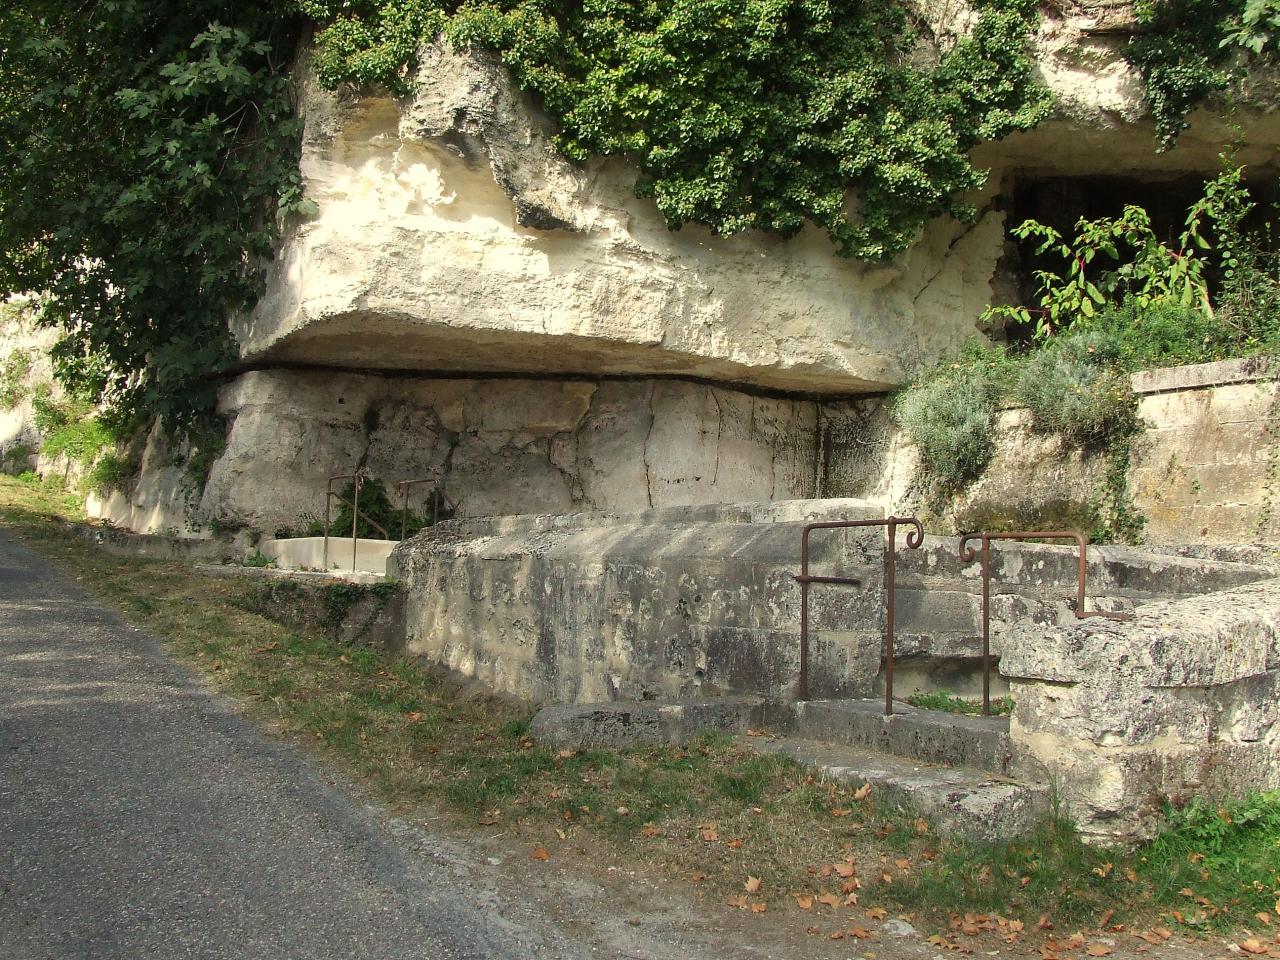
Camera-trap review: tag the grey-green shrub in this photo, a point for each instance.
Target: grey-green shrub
(951, 420)
(1073, 389)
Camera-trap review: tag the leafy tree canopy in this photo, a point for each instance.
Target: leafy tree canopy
(146, 149)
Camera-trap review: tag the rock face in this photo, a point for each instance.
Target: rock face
(1181, 701)
(450, 236)
(506, 446)
(1203, 469)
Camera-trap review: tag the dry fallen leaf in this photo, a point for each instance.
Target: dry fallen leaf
(841, 812)
(845, 869)
(830, 899)
(859, 932)
(651, 831)
(541, 853)
(735, 843)
(862, 792)
(710, 835)
(1254, 945)
(803, 901)
(1097, 950)
(877, 913)
(1264, 918)
(759, 907)
(752, 885)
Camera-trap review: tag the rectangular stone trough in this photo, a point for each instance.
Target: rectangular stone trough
(307, 553)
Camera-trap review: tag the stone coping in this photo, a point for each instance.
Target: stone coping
(1198, 375)
(236, 570)
(778, 511)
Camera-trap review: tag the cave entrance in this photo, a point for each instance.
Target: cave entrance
(1060, 202)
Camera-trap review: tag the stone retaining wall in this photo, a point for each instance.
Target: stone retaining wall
(1182, 701)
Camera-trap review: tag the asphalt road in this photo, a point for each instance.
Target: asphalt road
(140, 817)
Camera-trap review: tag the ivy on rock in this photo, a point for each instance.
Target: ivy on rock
(739, 114)
(1190, 50)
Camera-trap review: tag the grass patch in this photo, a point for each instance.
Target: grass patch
(947, 702)
(710, 813)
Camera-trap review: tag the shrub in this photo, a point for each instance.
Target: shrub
(949, 414)
(13, 379)
(1073, 391)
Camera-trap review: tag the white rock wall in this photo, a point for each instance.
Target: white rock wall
(505, 446)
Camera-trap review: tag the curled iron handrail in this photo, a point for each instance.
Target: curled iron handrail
(968, 554)
(915, 537)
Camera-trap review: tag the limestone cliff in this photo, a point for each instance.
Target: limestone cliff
(452, 241)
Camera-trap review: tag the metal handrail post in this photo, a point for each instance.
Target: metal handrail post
(915, 538)
(435, 501)
(355, 518)
(967, 555)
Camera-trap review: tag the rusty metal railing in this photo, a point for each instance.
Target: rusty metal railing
(329, 496)
(915, 538)
(968, 554)
(437, 500)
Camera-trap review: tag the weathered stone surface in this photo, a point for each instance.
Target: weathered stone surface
(1203, 468)
(941, 739)
(668, 604)
(450, 236)
(959, 800)
(497, 446)
(1206, 467)
(1180, 700)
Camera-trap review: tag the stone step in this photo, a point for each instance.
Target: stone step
(926, 736)
(962, 800)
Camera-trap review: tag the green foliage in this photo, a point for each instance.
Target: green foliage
(949, 414)
(147, 151)
(947, 702)
(1228, 852)
(13, 379)
(1074, 391)
(1257, 29)
(761, 114)
(1189, 50)
(377, 511)
(1139, 267)
(111, 472)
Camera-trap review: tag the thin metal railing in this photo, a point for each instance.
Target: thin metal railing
(968, 554)
(330, 495)
(437, 500)
(915, 538)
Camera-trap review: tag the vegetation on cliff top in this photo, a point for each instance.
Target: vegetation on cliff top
(1189, 50)
(148, 150)
(762, 114)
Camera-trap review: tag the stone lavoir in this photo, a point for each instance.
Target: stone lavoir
(632, 425)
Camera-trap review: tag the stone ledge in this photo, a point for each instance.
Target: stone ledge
(1199, 375)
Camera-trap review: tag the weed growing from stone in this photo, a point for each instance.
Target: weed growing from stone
(946, 701)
